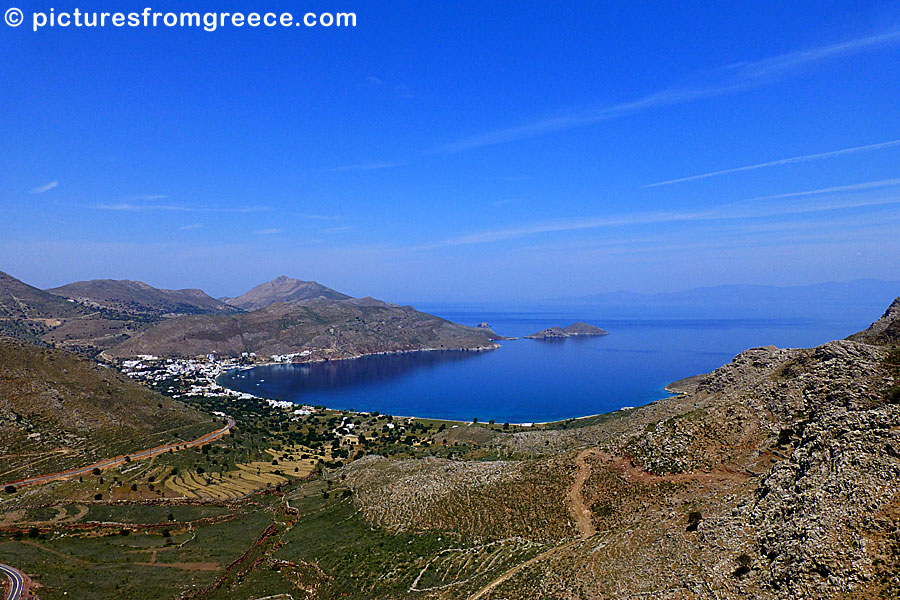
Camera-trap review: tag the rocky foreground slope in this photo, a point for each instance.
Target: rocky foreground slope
(775, 476)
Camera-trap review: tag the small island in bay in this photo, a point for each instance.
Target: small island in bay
(579, 328)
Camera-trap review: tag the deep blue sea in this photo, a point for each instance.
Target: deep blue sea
(530, 380)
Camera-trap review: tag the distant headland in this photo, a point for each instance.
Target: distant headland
(575, 329)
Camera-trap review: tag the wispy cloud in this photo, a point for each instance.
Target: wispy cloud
(400, 90)
(266, 231)
(730, 212)
(129, 207)
(44, 188)
(369, 166)
(317, 217)
(738, 77)
(146, 197)
(778, 65)
(783, 161)
(338, 229)
(855, 187)
(191, 226)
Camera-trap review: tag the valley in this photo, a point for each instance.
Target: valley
(717, 491)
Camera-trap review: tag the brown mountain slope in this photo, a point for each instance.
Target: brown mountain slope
(283, 289)
(324, 328)
(138, 299)
(58, 410)
(27, 312)
(885, 330)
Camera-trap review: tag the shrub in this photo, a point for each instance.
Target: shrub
(893, 395)
(694, 518)
(743, 565)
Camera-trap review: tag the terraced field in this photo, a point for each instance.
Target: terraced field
(245, 478)
(456, 567)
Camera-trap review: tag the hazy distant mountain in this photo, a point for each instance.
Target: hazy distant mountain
(283, 289)
(27, 312)
(322, 327)
(861, 297)
(138, 299)
(885, 330)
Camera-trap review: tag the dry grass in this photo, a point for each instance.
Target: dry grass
(245, 479)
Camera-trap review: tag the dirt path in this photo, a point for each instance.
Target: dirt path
(119, 460)
(508, 574)
(583, 517)
(584, 522)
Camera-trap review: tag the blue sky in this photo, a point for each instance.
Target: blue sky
(458, 150)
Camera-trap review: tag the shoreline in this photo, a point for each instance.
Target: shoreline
(283, 404)
(275, 403)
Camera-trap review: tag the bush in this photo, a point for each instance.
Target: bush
(10, 489)
(743, 565)
(893, 395)
(694, 518)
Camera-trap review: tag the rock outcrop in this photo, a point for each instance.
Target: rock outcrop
(574, 329)
(885, 330)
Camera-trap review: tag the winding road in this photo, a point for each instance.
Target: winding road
(113, 462)
(16, 579)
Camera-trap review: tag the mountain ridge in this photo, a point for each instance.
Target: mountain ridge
(139, 298)
(283, 289)
(320, 327)
(884, 331)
